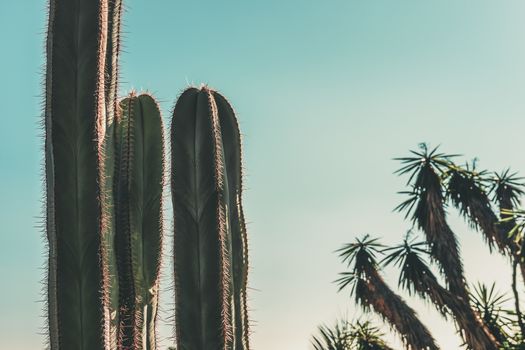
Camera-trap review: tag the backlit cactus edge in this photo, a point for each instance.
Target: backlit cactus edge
(104, 179)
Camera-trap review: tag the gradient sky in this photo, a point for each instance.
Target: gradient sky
(327, 93)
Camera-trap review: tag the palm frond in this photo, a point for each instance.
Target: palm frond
(338, 337)
(365, 336)
(421, 162)
(507, 188)
(416, 276)
(372, 293)
(346, 279)
(516, 233)
(362, 253)
(490, 306)
(345, 335)
(466, 190)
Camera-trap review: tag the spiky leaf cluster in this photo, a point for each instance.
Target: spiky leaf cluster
(345, 335)
(373, 294)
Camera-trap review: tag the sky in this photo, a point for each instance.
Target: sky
(327, 94)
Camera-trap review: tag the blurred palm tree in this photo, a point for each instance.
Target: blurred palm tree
(336, 338)
(350, 336)
(368, 337)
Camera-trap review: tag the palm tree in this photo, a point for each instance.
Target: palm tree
(426, 206)
(372, 293)
(437, 183)
(469, 194)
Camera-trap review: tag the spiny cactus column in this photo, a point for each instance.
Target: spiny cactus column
(111, 290)
(112, 58)
(231, 140)
(75, 123)
(139, 177)
(210, 244)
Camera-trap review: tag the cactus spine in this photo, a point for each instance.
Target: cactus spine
(75, 124)
(138, 192)
(210, 244)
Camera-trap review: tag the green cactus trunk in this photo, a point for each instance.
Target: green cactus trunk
(210, 245)
(138, 201)
(111, 288)
(75, 123)
(231, 139)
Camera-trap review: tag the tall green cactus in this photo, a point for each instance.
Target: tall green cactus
(111, 287)
(231, 139)
(138, 200)
(210, 243)
(75, 125)
(104, 170)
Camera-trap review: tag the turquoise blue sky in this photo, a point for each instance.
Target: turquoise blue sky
(327, 92)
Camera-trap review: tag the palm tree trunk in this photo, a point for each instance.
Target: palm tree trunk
(516, 296)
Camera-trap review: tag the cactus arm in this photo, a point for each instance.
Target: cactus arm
(231, 139)
(122, 225)
(184, 182)
(146, 181)
(111, 290)
(201, 229)
(139, 218)
(74, 119)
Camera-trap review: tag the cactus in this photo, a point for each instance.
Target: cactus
(210, 243)
(104, 169)
(138, 201)
(75, 125)
(111, 287)
(231, 139)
